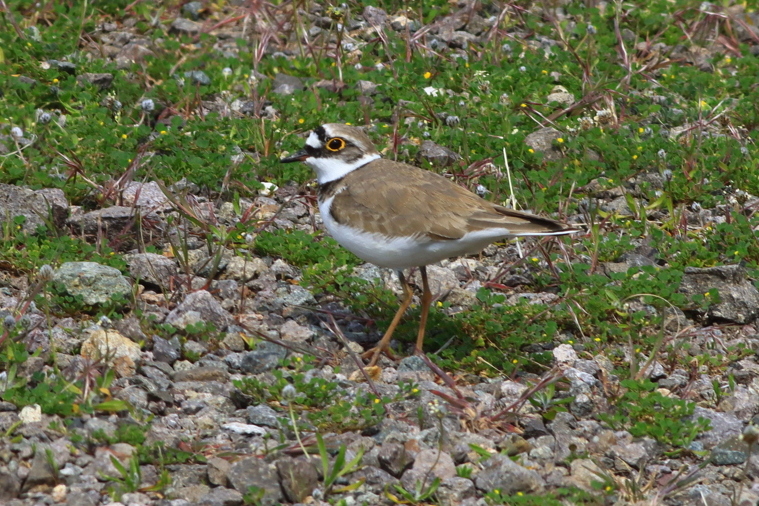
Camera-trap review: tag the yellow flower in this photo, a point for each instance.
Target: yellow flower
(635, 157)
(728, 59)
(530, 150)
(523, 105)
(560, 140)
(544, 72)
(641, 130)
(123, 136)
(427, 75)
(515, 361)
(301, 121)
(55, 81)
(376, 401)
(164, 132)
(348, 123)
(597, 339)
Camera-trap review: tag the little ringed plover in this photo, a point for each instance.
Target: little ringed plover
(399, 216)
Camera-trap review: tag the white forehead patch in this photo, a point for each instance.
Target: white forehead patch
(313, 141)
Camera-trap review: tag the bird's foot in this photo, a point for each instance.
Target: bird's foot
(374, 354)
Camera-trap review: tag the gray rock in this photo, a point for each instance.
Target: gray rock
(130, 327)
(428, 465)
(36, 206)
(98, 424)
(94, 282)
(298, 478)
(723, 426)
(457, 38)
(560, 95)
(135, 396)
(198, 77)
(116, 223)
(102, 80)
(263, 415)
(437, 155)
(367, 88)
(501, 473)
(731, 451)
(633, 454)
(374, 477)
(583, 473)
(394, 458)
(264, 358)
(113, 349)
(207, 308)
(454, 491)
(78, 498)
(254, 472)
(202, 374)
(739, 298)
(244, 269)
(192, 10)
(221, 496)
(286, 84)
(218, 469)
(191, 493)
(402, 23)
(149, 195)
(41, 475)
(167, 351)
(743, 403)
(413, 363)
(132, 53)
(374, 16)
(184, 475)
(185, 27)
(543, 141)
(292, 331)
(64, 66)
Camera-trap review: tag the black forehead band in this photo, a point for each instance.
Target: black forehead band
(321, 134)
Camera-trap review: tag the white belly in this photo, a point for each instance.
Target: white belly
(402, 252)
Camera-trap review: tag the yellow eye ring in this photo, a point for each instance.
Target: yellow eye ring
(335, 144)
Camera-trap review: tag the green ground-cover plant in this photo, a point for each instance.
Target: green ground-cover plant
(324, 403)
(645, 411)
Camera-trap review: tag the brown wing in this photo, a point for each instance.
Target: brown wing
(422, 203)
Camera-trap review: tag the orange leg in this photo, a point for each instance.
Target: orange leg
(384, 345)
(426, 300)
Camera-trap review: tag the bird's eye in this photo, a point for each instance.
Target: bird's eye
(335, 144)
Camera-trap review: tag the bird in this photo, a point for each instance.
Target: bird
(399, 216)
